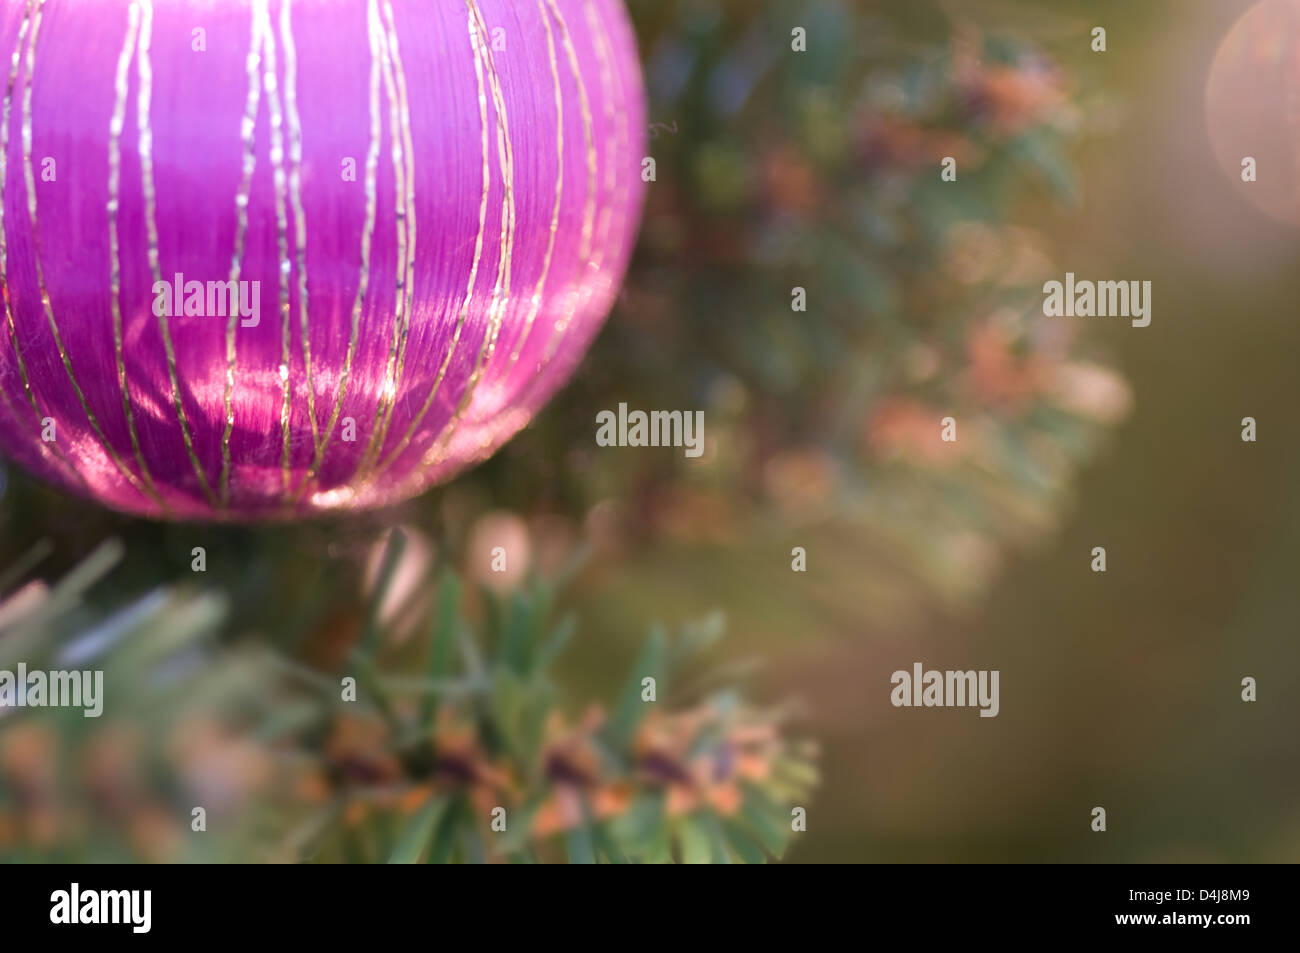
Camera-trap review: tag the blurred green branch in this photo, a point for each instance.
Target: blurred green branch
(456, 745)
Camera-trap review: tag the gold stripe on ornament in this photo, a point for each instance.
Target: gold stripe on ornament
(4, 179)
(46, 448)
(367, 237)
(536, 302)
(295, 200)
(615, 185)
(501, 291)
(624, 147)
(407, 283)
(589, 211)
(585, 249)
(584, 106)
(30, 180)
(596, 30)
(276, 114)
(248, 130)
(405, 113)
(120, 95)
(600, 40)
(478, 248)
(145, 72)
(402, 197)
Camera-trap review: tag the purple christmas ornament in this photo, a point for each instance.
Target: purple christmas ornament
(274, 257)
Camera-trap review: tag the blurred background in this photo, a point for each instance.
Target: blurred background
(779, 170)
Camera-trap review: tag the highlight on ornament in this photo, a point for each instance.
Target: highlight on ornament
(266, 258)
